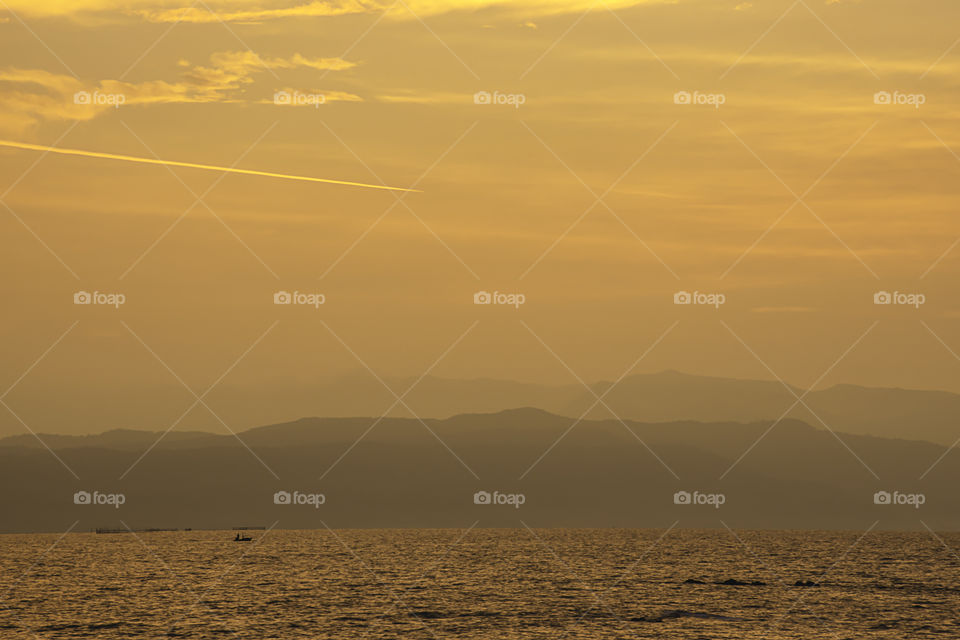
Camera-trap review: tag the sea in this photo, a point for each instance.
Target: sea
(481, 583)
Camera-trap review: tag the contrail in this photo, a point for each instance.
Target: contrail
(173, 163)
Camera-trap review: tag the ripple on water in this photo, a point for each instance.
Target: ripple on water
(490, 584)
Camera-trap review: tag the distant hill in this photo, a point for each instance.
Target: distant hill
(399, 472)
(659, 397)
(891, 413)
(119, 439)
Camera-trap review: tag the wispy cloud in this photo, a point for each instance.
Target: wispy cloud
(230, 71)
(253, 11)
(312, 97)
(202, 14)
(29, 96)
(427, 97)
(785, 309)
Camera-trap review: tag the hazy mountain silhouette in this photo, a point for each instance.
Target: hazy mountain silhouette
(404, 473)
(120, 439)
(658, 397)
(888, 412)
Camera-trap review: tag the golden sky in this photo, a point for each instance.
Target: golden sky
(789, 185)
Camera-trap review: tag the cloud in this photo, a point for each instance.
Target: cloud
(185, 11)
(30, 96)
(721, 59)
(428, 97)
(230, 71)
(525, 8)
(309, 97)
(196, 14)
(786, 309)
(254, 11)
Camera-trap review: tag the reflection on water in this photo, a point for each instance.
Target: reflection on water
(481, 584)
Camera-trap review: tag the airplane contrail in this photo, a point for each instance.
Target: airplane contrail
(191, 165)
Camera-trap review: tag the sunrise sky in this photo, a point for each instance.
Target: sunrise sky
(793, 189)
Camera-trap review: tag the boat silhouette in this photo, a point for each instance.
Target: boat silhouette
(240, 538)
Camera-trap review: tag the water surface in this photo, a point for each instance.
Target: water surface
(480, 583)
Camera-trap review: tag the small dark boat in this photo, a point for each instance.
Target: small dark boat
(240, 538)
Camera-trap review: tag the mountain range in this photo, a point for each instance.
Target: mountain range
(666, 396)
(407, 472)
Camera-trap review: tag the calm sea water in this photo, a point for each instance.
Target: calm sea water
(480, 583)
